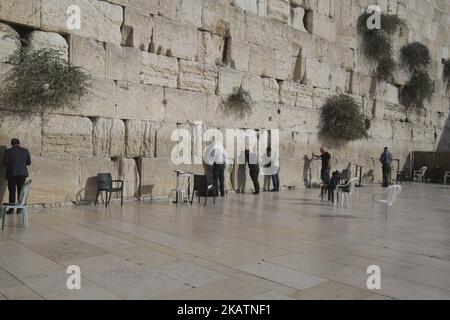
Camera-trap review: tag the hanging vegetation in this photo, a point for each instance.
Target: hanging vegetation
(418, 89)
(446, 73)
(415, 56)
(239, 103)
(41, 80)
(377, 45)
(341, 118)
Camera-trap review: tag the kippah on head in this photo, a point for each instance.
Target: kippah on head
(15, 142)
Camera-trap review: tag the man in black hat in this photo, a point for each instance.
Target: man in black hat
(16, 161)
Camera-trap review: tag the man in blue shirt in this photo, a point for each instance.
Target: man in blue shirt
(386, 163)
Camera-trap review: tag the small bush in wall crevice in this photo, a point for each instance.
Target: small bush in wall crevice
(415, 56)
(239, 104)
(341, 118)
(446, 73)
(41, 81)
(418, 89)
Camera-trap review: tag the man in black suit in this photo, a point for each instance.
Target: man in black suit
(16, 161)
(252, 160)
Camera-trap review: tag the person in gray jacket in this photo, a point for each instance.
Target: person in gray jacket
(16, 161)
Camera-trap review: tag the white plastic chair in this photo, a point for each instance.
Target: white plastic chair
(392, 193)
(419, 175)
(346, 196)
(446, 176)
(22, 205)
(182, 189)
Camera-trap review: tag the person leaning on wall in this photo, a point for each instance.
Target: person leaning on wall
(16, 161)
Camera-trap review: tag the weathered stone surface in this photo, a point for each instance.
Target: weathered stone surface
(270, 62)
(66, 136)
(297, 16)
(127, 171)
(25, 12)
(25, 127)
(250, 6)
(210, 48)
(41, 40)
(191, 12)
(158, 176)
(54, 181)
(184, 106)
(279, 10)
(9, 43)
(317, 74)
(159, 70)
(137, 101)
(140, 138)
(216, 18)
(137, 29)
(109, 137)
(229, 81)
(144, 6)
(89, 54)
(239, 55)
(100, 101)
(100, 20)
(197, 76)
(123, 63)
(174, 39)
(164, 144)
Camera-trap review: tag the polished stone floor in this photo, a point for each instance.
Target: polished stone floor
(272, 246)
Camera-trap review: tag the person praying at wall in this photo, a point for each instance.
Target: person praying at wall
(217, 157)
(252, 160)
(325, 171)
(386, 160)
(16, 161)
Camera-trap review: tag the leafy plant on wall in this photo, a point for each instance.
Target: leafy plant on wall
(446, 73)
(377, 44)
(42, 80)
(415, 58)
(239, 103)
(341, 118)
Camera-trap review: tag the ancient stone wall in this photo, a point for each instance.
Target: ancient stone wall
(162, 64)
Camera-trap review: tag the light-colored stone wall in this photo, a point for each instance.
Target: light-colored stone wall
(162, 64)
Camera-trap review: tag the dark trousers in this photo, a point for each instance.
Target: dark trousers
(15, 185)
(386, 174)
(276, 181)
(219, 178)
(254, 174)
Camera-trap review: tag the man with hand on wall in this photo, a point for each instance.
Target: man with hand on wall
(16, 161)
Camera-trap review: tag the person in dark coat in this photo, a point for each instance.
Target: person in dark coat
(325, 170)
(16, 161)
(386, 160)
(253, 165)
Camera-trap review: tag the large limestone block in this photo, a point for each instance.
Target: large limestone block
(292, 117)
(54, 181)
(158, 176)
(216, 117)
(164, 145)
(159, 70)
(271, 90)
(89, 168)
(184, 106)
(216, 17)
(264, 115)
(174, 39)
(270, 62)
(109, 137)
(250, 6)
(317, 74)
(239, 55)
(143, 6)
(198, 76)
(268, 33)
(279, 10)
(297, 19)
(99, 19)
(323, 27)
(137, 29)
(49, 40)
(291, 173)
(137, 101)
(127, 171)
(123, 63)
(229, 81)
(23, 126)
(210, 48)
(9, 44)
(26, 12)
(238, 24)
(191, 12)
(100, 101)
(66, 136)
(89, 54)
(296, 94)
(140, 138)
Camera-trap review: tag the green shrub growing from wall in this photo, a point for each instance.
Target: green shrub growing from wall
(239, 104)
(41, 80)
(341, 118)
(377, 44)
(446, 73)
(415, 56)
